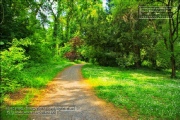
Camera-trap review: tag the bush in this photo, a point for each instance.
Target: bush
(41, 51)
(163, 56)
(125, 61)
(13, 61)
(65, 49)
(71, 55)
(71, 49)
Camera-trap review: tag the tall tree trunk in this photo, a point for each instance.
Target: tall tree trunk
(173, 61)
(56, 29)
(67, 29)
(154, 63)
(171, 41)
(68, 18)
(173, 67)
(137, 52)
(55, 36)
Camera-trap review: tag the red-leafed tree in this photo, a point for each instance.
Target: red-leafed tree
(75, 42)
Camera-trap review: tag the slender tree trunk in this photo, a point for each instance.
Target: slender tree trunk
(68, 19)
(172, 58)
(55, 36)
(67, 29)
(138, 56)
(173, 62)
(173, 67)
(55, 30)
(154, 63)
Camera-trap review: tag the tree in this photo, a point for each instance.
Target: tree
(14, 19)
(174, 27)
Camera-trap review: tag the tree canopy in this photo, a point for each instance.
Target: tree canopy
(108, 35)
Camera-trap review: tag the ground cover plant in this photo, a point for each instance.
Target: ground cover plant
(145, 93)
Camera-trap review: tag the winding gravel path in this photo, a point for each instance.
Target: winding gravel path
(69, 91)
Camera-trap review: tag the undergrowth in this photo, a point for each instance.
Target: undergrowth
(34, 76)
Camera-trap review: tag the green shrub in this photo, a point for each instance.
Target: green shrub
(125, 61)
(13, 61)
(40, 51)
(65, 49)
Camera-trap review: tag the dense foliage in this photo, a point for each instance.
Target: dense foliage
(39, 31)
(36, 36)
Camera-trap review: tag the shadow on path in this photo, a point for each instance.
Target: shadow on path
(69, 98)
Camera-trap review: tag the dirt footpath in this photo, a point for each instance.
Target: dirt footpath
(68, 97)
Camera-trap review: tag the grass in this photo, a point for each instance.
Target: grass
(145, 93)
(39, 75)
(33, 79)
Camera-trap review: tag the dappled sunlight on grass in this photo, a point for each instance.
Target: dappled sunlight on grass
(142, 77)
(39, 79)
(144, 93)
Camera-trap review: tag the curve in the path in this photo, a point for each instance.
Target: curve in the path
(67, 90)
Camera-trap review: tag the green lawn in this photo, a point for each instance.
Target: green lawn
(145, 93)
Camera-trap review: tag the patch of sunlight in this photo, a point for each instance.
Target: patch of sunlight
(59, 66)
(13, 103)
(22, 97)
(39, 78)
(149, 87)
(144, 77)
(93, 82)
(102, 81)
(128, 83)
(173, 85)
(104, 78)
(105, 73)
